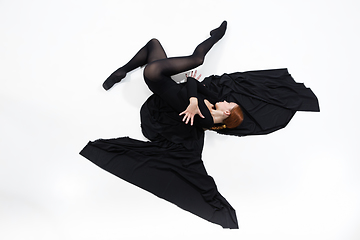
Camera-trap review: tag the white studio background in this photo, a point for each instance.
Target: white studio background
(301, 182)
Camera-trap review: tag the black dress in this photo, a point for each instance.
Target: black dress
(170, 164)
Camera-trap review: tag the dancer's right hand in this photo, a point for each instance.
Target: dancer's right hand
(193, 75)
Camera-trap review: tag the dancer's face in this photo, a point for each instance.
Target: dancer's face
(225, 106)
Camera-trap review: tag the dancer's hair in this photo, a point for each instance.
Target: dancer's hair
(235, 118)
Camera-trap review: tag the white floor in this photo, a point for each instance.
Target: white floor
(301, 182)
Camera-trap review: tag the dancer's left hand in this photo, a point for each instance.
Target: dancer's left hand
(191, 111)
(193, 75)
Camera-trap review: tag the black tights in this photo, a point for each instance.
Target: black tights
(159, 66)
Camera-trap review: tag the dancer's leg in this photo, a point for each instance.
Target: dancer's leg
(156, 71)
(150, 52)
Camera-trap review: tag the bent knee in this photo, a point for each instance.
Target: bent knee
(199, 60)
(151, 72)
(154, 40)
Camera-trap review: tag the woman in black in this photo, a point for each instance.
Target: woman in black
(170, 164)
(195, 99)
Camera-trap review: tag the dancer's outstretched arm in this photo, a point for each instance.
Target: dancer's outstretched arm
(193, 107)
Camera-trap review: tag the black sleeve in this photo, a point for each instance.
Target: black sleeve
(193, 86)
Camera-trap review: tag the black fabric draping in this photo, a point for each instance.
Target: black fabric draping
(170, 164)
(268, 98)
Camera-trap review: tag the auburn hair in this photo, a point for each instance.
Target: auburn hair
(235, 118)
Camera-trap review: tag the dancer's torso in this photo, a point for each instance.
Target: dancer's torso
(176, 96)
